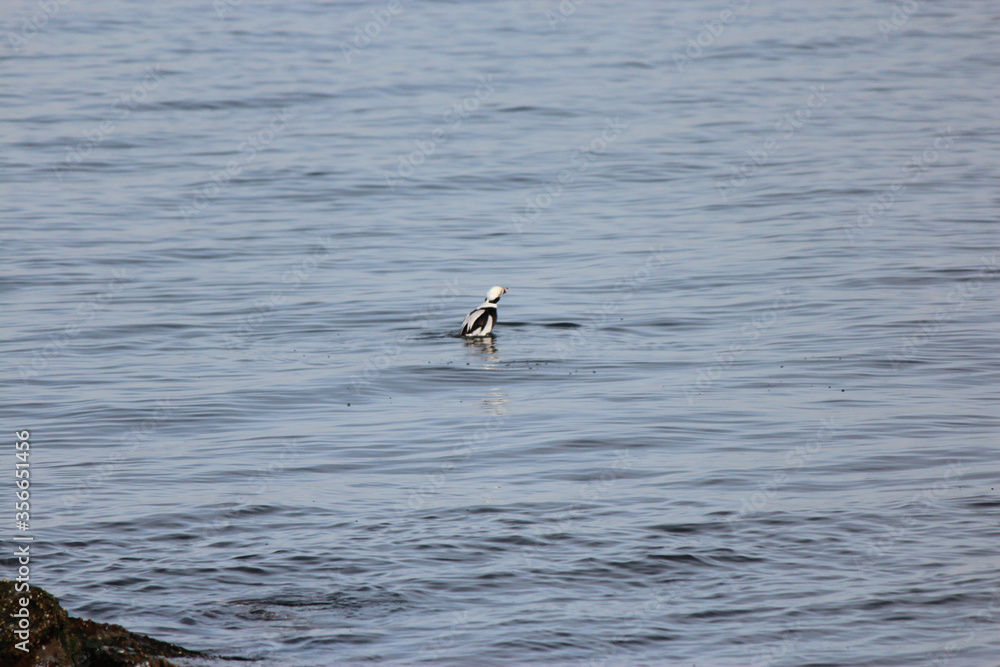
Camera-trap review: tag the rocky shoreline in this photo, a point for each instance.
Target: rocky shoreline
(55, 638)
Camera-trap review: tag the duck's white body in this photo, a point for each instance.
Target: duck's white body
(480, 321)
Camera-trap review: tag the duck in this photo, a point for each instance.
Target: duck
(481, 320)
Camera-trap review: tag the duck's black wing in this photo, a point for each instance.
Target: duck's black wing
(479, 322)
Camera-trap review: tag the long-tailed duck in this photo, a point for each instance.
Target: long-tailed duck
(480, 321)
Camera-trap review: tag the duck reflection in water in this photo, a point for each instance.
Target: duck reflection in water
(485, 346)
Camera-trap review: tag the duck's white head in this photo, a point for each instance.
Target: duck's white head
(495, 293)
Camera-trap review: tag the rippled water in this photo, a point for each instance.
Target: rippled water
(740, 407)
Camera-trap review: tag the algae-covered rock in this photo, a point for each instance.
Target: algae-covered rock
(54, 638)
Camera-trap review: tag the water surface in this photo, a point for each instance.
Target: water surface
(740, 407)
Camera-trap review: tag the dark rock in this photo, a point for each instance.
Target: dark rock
(58, 639)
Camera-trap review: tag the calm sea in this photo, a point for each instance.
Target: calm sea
(741, 404)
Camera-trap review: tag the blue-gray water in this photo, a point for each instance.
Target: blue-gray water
(741, 405)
